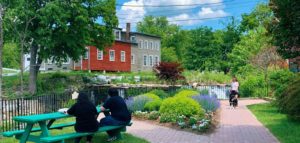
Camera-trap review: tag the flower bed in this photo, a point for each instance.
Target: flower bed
(185, 110)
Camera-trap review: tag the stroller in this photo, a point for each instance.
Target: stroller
(233, 98)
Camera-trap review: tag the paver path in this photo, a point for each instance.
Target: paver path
(236, 126)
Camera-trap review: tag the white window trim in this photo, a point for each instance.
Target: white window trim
(110, 59)
(144, 60)
(157, 60)
(101, 51)
(124, 56)
(132, 59)
(151, 45)
(150, 61)
(158, 46)
(146, 44)
(86, 54)
(141, 44)
(119, 31)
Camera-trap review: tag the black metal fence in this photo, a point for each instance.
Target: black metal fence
(53, 102)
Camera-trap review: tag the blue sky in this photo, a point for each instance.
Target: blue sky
(189, 14)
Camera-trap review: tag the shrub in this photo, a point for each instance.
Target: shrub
(152, 96)
(186, 93)
(252, 86)
(160, 93)
(153, 115)
(177, 106)
(279, 81)
(290, 101)
(167, 118)
(137, 103)
(208, 103)
(153, 105)
(168, 71)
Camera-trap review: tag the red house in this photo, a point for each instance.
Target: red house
(114, 58)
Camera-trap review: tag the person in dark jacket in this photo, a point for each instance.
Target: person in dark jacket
(119, 114)
(86, 116)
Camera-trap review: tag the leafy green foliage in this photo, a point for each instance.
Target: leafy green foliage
(186, 93)
(176, 106)
(279, 80)
(11, 56)
(249, 45)
(153, 115)
(285, 27)
(206, 77)
(200, 55)
(168, 55)
(252, 86)
(160, 93)
(154, 104)
(290, 100)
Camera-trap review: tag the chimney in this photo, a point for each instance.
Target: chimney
(127, 32)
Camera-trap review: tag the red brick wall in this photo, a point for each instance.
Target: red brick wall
(105, 64)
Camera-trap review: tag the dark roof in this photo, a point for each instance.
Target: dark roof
(123, 41)
(144, 34)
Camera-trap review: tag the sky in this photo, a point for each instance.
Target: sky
(189, 14)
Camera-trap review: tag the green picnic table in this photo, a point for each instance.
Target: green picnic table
(44, 122)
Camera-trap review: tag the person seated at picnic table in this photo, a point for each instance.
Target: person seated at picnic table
(86, 116)
(119, 114)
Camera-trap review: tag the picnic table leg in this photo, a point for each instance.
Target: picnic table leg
(26, 133)
(44, 129)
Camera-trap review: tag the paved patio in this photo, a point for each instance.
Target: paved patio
(236, 126)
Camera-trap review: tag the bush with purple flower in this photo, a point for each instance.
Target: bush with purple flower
(208, 103)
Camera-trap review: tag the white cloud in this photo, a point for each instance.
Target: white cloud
(134, 14)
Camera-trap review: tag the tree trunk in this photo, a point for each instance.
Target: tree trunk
(1, 50)
(21, 67)
(33, 69)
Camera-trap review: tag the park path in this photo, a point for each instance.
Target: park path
(236, 126)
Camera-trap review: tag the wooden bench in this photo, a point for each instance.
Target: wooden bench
(20, 132)
(63, 137)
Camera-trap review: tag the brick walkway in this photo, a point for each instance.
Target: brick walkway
(236, 126)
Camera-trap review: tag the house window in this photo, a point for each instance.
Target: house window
(156, 60)
(99, 54)
(122, 56)
(133, 39)
(151, 61)
(111, 55)
(86, 54)
(151, 44)
(117, 34)
(132, 59)
(67, 61)
(146, 45)
(28, 59)
(158, 46)
(141, 44)
(145, 60)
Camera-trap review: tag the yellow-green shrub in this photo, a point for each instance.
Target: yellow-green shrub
(176, 106)
(152, 96)
(154, 104)
(186, 93)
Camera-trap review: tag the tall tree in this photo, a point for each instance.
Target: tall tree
(231, 36)
(200, 55)
(285, 27)
(62, 29)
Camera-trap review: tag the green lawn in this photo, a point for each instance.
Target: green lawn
(285, 130)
